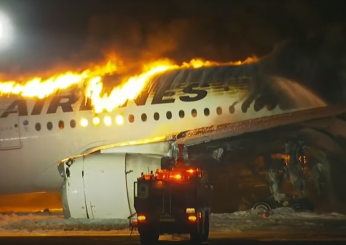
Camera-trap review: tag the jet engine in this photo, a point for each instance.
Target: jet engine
(100, 185)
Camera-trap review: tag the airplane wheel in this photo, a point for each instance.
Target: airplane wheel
(302, 205)
(262, 206)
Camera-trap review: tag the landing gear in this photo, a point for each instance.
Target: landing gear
(293, 168)
(262, 206)
(302, 205)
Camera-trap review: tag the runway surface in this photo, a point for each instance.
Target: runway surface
(282, 226)
(259, 237)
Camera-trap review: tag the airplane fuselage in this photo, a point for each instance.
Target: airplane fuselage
(36, 134)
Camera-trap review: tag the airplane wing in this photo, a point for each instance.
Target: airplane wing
(163, 144)
(203, 135)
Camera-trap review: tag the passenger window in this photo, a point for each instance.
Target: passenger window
(84, 122)
(131, 118)
(156, 116)
(144, 117)
(194, 113)
(231, 109)
(219, 110)
(181, 114)
(73, 123)
(206, 111)
(61, 124)
(38, 126)
(49, 126)
(169, 115)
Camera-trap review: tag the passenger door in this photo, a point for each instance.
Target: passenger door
(9, 131)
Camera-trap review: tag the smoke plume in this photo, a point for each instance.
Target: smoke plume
(133, 33)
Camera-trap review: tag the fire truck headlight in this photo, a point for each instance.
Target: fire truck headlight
(190, 211)
(141, 218)
(192, 218)
(177, 176)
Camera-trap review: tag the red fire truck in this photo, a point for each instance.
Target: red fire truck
(172, 201)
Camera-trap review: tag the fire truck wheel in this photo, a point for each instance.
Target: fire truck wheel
(148, 238)
(197, 237)
(205, 235)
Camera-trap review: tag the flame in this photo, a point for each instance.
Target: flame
(129, 89)
(39, 88)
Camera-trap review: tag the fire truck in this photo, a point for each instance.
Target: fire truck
(172, 201)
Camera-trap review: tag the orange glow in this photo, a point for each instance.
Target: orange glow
(177, 176)
(128, 89)
(191, 171)
(192, 218)
(40, 88)
(147, 176)
(286, 158)
(31, 202)
(141, 218)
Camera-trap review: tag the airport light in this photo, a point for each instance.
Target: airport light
(1, 30)
(6, 32)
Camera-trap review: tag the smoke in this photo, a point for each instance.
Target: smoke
(133, 33)
(317, 61)
(298, 40)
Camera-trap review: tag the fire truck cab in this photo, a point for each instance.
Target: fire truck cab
(172, 201)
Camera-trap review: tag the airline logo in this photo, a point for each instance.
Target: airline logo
(189, 93)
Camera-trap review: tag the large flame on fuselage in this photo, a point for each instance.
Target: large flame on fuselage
(128, 89)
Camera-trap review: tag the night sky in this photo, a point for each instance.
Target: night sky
(50, 34)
